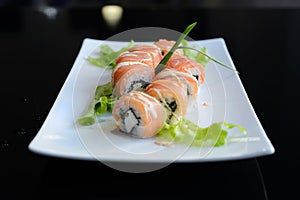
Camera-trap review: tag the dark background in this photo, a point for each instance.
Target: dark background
(37, 50)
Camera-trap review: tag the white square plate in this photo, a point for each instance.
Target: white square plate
(223, 91)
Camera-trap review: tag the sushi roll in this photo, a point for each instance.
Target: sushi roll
(139, 115)
(185, 64)
(131, 77)
(172, 94)
(135, 57)
(135, 69)
(186, 78)
(147, 54)
(152, 50)
(166, 45)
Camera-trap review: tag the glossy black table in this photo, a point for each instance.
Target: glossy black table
(37, 51)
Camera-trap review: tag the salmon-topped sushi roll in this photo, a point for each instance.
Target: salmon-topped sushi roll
(172, 94)
(135, 57)
(185, 64)
(147, 54)
(153, 50)
(166, 45)
(128, 77)
(138, 114)
(184, 77)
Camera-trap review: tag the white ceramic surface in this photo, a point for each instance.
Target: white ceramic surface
(223, 91)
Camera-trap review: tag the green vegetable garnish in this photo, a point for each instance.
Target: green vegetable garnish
(187, 132)
(101, 103)
(108, 56)
(198, 57)
(177, 43)
(103, 90)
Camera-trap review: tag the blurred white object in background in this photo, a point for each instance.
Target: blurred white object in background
(112, 14)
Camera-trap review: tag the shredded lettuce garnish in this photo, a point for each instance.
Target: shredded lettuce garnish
(108, 56)
(187, 132)
(198, 57)
(101, 103)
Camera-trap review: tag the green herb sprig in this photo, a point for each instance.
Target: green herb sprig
(209, 57)
(175, 46)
